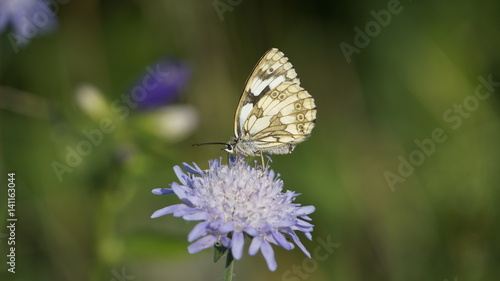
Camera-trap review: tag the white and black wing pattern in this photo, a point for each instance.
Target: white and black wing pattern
(271, 70)
(281, 119)
(274, 112)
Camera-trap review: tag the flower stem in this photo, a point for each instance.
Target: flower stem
(228, 272)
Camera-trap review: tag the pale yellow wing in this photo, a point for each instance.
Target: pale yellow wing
(285, 115)
(272, 70)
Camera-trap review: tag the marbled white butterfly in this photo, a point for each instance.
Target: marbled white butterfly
(274, 113)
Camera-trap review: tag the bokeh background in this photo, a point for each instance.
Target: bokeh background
(86, 156)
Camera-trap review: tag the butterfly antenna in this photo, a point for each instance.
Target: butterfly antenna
(208, 143)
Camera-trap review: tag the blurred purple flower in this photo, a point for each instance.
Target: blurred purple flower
(28, 18)
(161, 84)
(234, 200)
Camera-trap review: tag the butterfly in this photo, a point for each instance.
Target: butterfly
(274, 113)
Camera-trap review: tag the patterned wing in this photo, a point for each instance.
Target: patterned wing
(285, 115)
(272, 70)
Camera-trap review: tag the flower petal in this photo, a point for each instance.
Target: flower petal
(305, 210)
(162, 191)
(251, 231)
(268, 253)
(307, 218)
(308, 235)
(271, 174)
(285, 223)
(198, 231)
(181, 212)
(226, 227)
(202, 243)
(168, 210)
(298, 243)
(281, 240)
(196, 216)
(184, 193)
(193, 170)
(303, 225)
(237, 245)
(254, 246)
(225, 241)
(180, 174)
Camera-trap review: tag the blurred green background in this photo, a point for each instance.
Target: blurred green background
(399, 201)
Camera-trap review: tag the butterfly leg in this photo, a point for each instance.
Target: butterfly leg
(262, 158)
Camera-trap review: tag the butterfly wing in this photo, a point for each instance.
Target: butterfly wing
(281, 118)
(272, 70)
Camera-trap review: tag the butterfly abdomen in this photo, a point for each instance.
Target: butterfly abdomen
(251, 148)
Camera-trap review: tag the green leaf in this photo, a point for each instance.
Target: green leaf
(219, 251)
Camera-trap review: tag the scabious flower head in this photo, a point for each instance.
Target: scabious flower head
(234, 200)
(28, 18)
(162, 83)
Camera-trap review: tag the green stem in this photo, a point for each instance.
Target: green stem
(228, 272)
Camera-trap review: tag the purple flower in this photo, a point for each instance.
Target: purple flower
(234, 200)
(28, 18)
(161, 83)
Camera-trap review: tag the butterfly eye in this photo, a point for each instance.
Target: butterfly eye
(229, 148)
